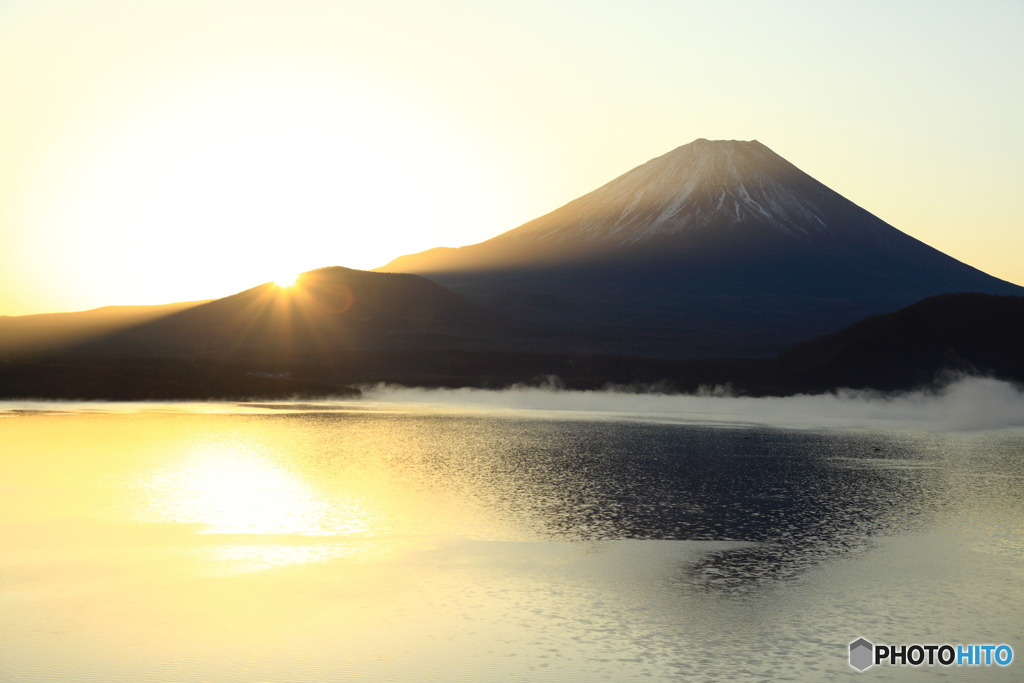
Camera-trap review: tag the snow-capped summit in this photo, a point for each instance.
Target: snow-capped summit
(704, 183)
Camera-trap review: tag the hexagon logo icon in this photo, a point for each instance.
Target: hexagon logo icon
(861, 654)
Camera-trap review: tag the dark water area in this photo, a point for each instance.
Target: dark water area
(802, 496)
(401, 543)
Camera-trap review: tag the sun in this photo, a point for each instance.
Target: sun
(286, 279)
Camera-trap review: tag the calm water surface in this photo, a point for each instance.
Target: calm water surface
(379, 542)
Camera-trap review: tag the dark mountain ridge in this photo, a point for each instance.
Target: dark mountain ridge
(918, 346)
(967, 333)
(31, 334)
(326, 310)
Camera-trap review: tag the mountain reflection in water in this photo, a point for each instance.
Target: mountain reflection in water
(288, 542)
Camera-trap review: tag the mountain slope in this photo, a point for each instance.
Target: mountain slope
(326, 310)
(29, 334)
(716, 248)
(968, 332)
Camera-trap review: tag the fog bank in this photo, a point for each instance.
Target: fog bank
(966, 403)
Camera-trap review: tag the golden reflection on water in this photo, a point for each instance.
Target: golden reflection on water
(235, 489)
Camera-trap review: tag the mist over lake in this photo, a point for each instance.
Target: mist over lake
(530, 534)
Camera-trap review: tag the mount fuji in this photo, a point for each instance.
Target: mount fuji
(717, 248)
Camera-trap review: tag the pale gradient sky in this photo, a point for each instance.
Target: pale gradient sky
(166, 151)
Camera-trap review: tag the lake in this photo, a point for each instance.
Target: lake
(509, 536)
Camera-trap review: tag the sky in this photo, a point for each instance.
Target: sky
(175, 150)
